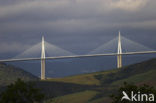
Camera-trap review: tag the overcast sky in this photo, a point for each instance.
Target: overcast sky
(78, 26)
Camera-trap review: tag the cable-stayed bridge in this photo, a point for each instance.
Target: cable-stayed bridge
(118, 44)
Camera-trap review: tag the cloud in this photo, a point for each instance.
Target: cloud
(129, 5)
(148, 24)
(76, 8)
(12, 47)
(75, 23)
(37, 5)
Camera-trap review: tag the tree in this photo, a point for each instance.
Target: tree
(128, 88)
(21, 92)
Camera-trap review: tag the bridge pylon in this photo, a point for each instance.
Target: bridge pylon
(119, 56)
(43, 60)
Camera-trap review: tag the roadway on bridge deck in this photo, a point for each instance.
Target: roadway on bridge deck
(78, 56)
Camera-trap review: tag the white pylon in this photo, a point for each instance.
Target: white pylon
(119, 56)
(43, 60)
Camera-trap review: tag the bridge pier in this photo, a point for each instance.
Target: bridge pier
(119, 61)
(42, 69)
(119, 56)
(43, 60)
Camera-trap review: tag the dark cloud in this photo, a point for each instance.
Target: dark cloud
(75, 25)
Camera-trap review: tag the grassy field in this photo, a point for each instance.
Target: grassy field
(87, 88)
(149, 76)
(106, 83)
(75, 97)
(84, 79)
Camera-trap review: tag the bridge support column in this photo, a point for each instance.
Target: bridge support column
(43, 60)
(42, 69)
(119, 56)
(119, 61)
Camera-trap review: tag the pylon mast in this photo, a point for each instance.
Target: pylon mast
(119, 56)
(43, 60)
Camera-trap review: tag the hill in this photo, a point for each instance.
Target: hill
(75, 66)
(10, 73)
(85, 88)
(96, 87)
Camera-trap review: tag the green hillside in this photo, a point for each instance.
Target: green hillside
(85, 88)
(110, 76)
(9, 74)
(99, 86)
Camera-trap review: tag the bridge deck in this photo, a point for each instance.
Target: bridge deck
(78, 56)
